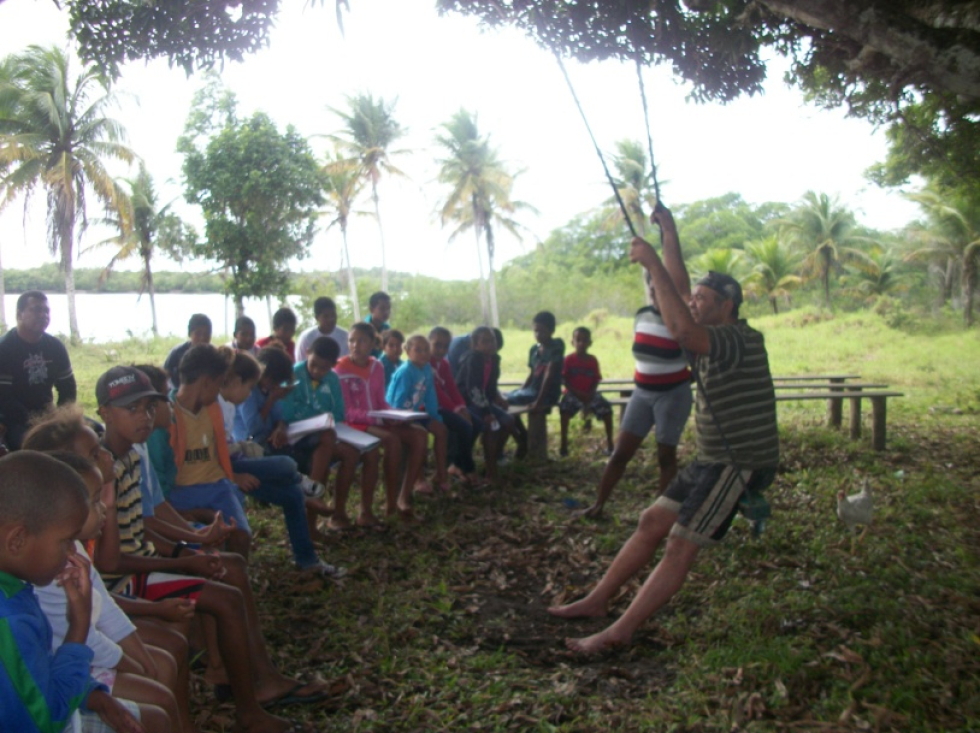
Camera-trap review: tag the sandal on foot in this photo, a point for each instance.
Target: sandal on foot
(292, 697)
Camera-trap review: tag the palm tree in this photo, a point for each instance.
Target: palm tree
(725, 260)
(144, 229)
(343, 185)
(370, 131)
(822, 228)
(479, 197)
(774, 268)
(634, 184)
(952, 234)
(54, 134)
(875, 273)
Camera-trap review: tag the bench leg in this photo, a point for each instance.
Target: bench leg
(537, 436)
(855, 418)
(835, 407)
(878, 412)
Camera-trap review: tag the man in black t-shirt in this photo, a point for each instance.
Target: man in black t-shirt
(31, 364)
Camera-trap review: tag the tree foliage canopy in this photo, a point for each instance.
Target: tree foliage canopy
(259, 190)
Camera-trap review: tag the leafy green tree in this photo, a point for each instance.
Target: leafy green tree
(259, 190)
(774, 269)
(823, 228)
(951, 234)
(876, 58)
(54, 135)
(342, 186)
(145, 228)
(726, 221)
(480, 195)
(370, 129)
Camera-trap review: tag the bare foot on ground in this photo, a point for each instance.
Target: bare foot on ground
(338, 522)
(585, 608)
(597, 643)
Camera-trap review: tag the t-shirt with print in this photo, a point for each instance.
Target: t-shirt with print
(201, 464)
(581, 373)
(539, 357)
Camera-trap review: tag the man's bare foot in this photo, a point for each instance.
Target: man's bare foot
(368, 520)
(585, 608)
(588, 513)
(597, 643)
(422, 487)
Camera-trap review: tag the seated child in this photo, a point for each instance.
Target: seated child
(204, 478)
(244, 336)
(392, 341)
(198, 332)
(317, 392)
(463, 430)
(363, 388)
(43, 506)
(412, 388)
(325, 315)
(379, 311)
(129, 669)
(283, 329)
(542, 388)
(258, 419)
(280, 482)
(218, 583)
(159, 649)
(477, 377)
(581, 376)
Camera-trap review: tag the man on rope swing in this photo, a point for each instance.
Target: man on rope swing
(737, 441)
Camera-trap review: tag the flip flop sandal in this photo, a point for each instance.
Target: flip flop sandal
(293, 698)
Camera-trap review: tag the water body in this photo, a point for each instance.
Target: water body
(117, 316)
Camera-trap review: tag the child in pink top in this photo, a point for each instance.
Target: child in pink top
(463, 430)
(362, 384)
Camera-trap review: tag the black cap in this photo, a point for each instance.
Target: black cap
(725, 285)
(123, 385)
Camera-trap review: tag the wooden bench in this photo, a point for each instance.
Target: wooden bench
(537, 431)
(834, 388)
(879, 408)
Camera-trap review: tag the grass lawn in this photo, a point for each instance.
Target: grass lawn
(443, 626)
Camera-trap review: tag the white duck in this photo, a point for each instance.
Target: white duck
(856, 510)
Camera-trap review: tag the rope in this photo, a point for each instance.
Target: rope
(646, 119)
(602, 158)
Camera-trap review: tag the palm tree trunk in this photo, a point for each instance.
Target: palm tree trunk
(148, 274)
(775, 306)
(351, 285)
(66, 265)
(381, 233)
(484, 305)
(268, 308)
(491, 282)
(239, 306)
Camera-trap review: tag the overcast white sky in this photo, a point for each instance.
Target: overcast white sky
(769, 148)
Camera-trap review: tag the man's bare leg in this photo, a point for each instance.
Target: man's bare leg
(654, 526)
(667, 460)
(660, 586)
